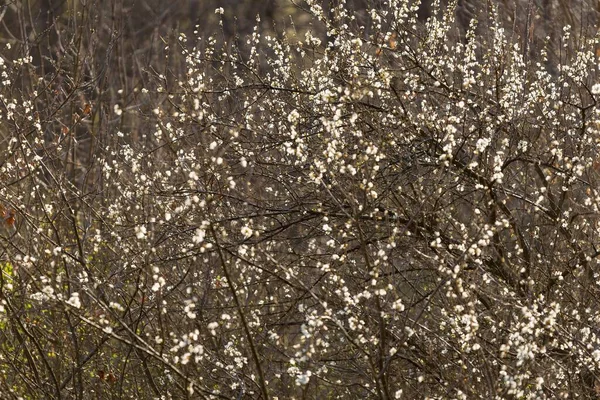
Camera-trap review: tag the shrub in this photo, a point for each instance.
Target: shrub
(370, 205)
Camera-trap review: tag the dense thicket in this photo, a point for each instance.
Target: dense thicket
(375, 199)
